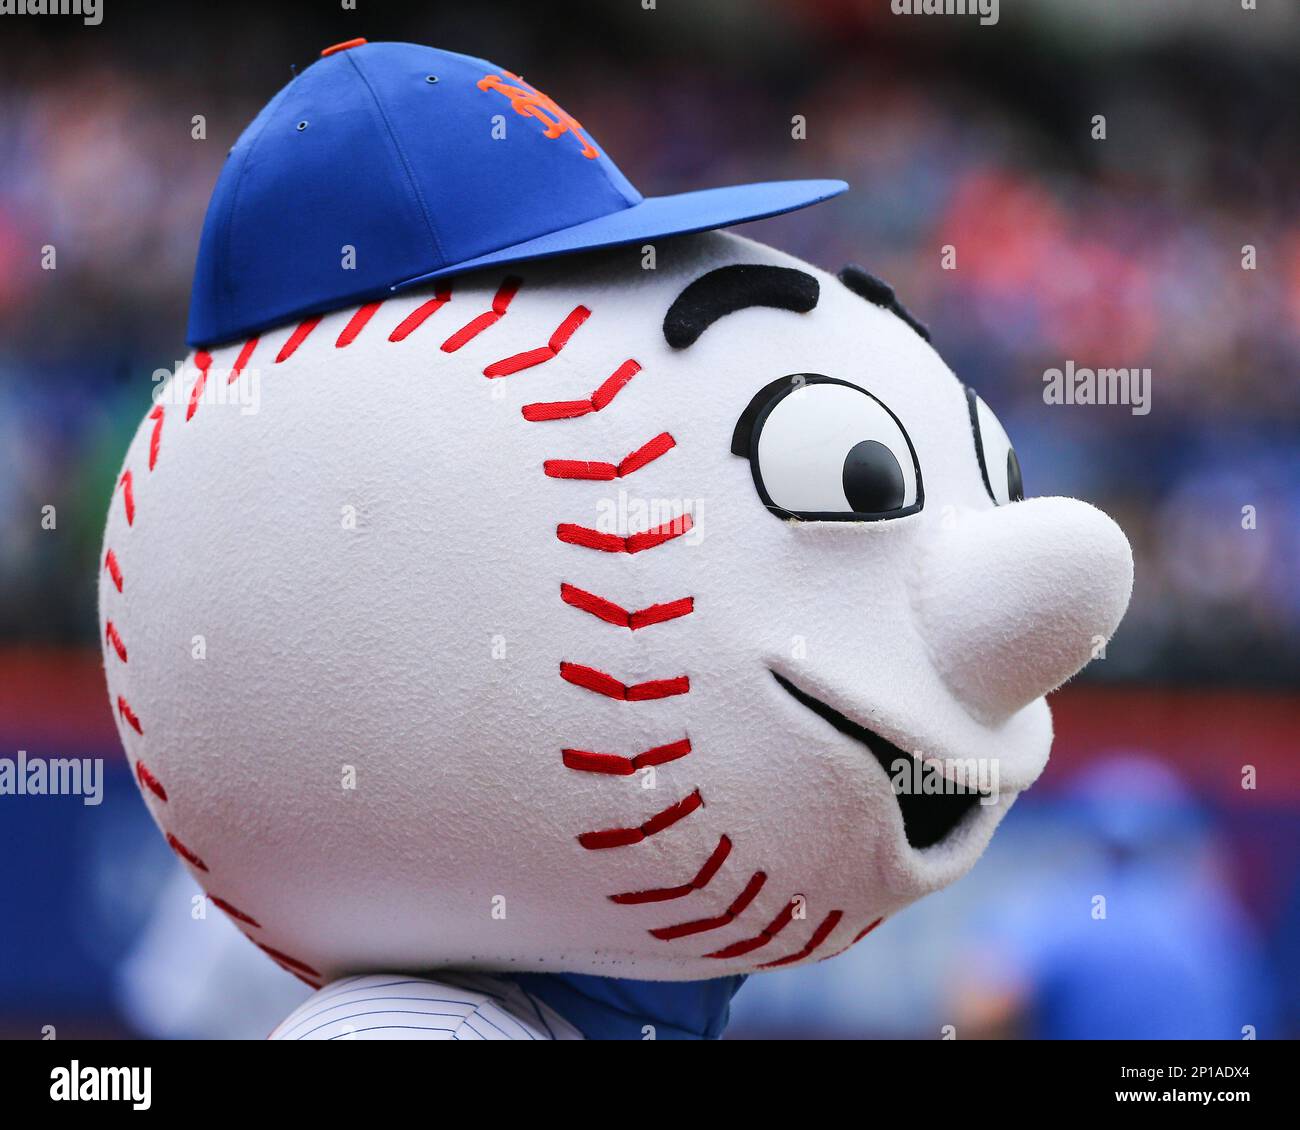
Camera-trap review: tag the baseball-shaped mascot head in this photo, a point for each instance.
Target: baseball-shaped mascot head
(656, 612)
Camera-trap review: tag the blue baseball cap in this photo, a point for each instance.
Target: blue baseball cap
(386, 165)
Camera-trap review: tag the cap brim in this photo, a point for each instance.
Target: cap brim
(654, 218)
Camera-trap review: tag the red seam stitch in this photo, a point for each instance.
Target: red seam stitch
(573, 534)
(149, 781)
(660, 613)
(658, 688)
(621, 837)
(819, 935)
(155, 438)
(296, 338)
(114, 571)
(857, 938)
(111, 634)
(663, 894)
(646, 453)
(590, 539)
(356, 324)
(615, 614)
(242, 360)
(475, 326)
(202, 359)
(567, 328)
(765, 935)
(416, 318)
(580, 469)
(128, 497)
(234, 911)
(470, 330)
(649, 539)
(530, 357)
(603, 472)
(285, 959)
(593, 680)
(185, 853)
(613, 384)
(569, 409)
(700, 925)
(128, 716)
(280, 960)
(586, 761)
(865, 931)
(595, 605)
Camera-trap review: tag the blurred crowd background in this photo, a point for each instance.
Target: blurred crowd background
(1126, 251)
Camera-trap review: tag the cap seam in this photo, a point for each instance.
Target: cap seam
(226, 231)
(401, 154)
(604, 170)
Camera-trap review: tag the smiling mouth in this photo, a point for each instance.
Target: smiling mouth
(927, 817)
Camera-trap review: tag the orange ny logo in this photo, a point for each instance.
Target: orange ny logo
(532, 103)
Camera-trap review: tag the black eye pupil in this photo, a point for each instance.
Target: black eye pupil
(873, 480)
(1015, 483)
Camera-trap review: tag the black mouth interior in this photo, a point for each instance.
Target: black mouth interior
(927, 818)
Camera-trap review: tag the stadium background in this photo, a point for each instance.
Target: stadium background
(1123, 252)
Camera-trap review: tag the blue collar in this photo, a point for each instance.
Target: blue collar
(612, 1008)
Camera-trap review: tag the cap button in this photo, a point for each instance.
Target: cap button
(341, 47)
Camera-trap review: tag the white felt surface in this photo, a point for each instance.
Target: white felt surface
(423, 646)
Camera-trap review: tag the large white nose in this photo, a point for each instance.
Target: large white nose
(1016, 599)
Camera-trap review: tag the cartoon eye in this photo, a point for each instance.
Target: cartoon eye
(824, 450)
(998, 462)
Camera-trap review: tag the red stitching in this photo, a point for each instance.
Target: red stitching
(185, 853)
(149, 781)
(612, 613)
(110, 634)
(416, 318)
(593, 680)
(663, 894)
(586, 677)
(128, 497)
(234, 911)
(475, 326)
(284, 959)
(568, 409)
(617, 765)
(356, 324)
(765, 935)
(579, 469)
(203, 360)
(857, 938)
(621, 837)
(242, 360)
(110, 563)
(296, 338)
(597, 606)
(700, 925)
(603, 472)
(155, 440)
(865, 931)
(819, 935)
(646, 453)
(128, 716)
(530, 357)
(660, 613)
(588, 538)
(312, 984)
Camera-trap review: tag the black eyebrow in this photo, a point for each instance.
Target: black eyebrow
(728, 289)
(879, 293)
